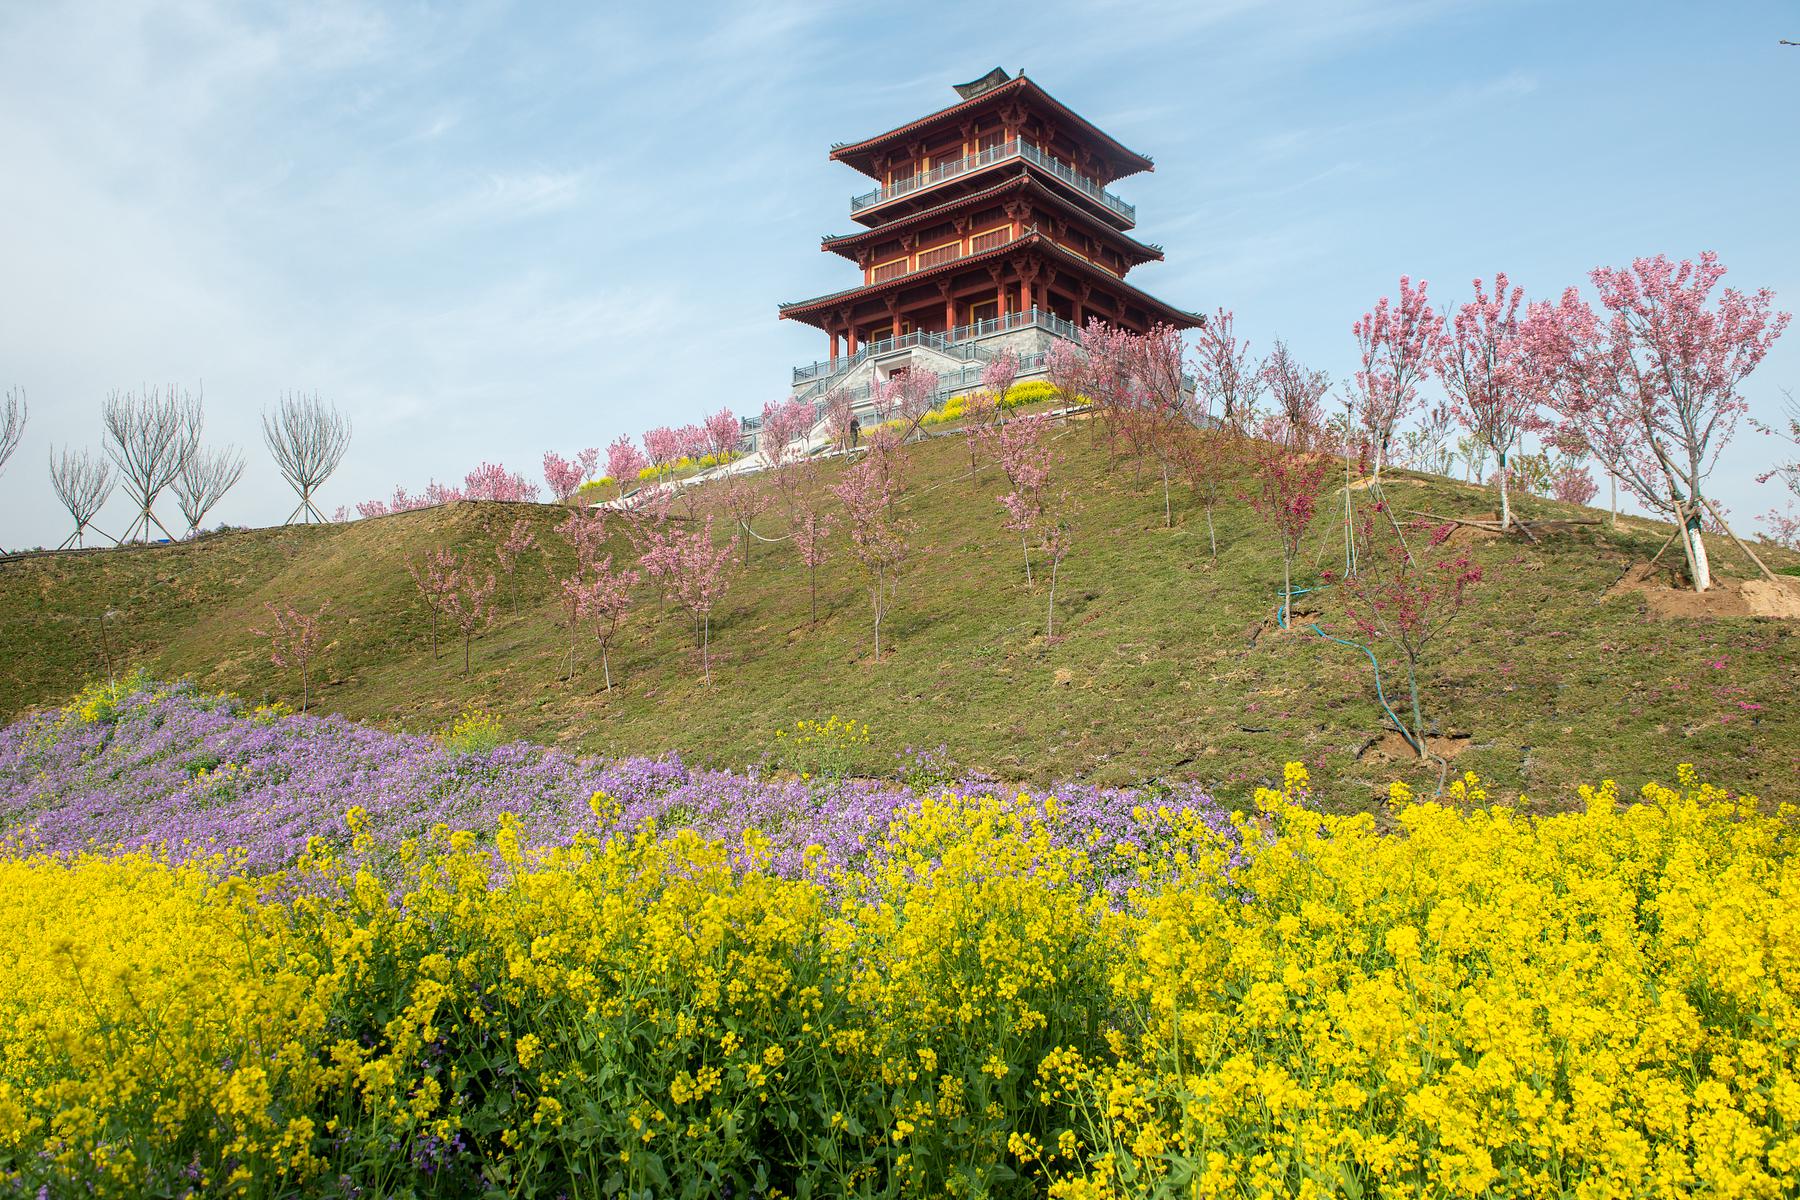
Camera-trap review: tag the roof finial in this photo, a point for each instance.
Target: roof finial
(987, 83)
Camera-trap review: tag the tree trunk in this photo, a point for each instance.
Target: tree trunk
(1027, 549)
(1612, 486)
(465, 652)
(1505, 505)
(1212, 536)
(606, 666)
(812, 583)
(1050, 611)
(706, 646)
(1412, 682)
(1287, 588)
(1168, 512)
(1702, 567)
(305, 687)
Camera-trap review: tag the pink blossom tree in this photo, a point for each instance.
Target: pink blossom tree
(1399, 346)
(1058, 540)
(469, 605)
(624, 463)
(984, 406)
(1161, 402)
(491, 481)
(295, 639)
(812, 528)
(434, 575)
(1490, 378)
(1653, 385)
(603, 600)
(782, 436)
(566, 475)
(1571, 483)
(508, 553)
(1024, 458)
(1405, 593)
(877, 539)
(723, 432)
(1285, 491)
(699, 581)
(1297, 393)
(746, 498)
(662, 446)
(1229, 383)
(905, 398)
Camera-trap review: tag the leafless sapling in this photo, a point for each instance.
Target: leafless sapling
(307, 438)
(82, 482)
(149, 436)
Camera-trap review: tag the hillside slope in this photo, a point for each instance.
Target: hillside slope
(1165, 664)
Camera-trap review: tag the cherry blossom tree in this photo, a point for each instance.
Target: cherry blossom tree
(905, 397)
(295, 640)
(1405, 593)
(603, 599)
(746, 498)
(508, 553)
(469, 605)
(13, 414)
(662, 446)
(699, 581)
(983, 406)
(1788, 472)
(491, 481)
(434, 575)
(1571, 483)
(812, 528)
(624, 463)
(1490, 377)
(1224, 377)
(1399, 346)
(840, 419)
(1285, 491)
(721, 434)
(782, 435)
(566, 475)
(435, 493)
(1652, 386)
(1160, 402)
(1298, 395)
(877, 539)
(1024, 458)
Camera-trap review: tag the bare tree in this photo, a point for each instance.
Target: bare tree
(149, 438)
(204, 478)
(307, 438)
(13, 412)
(82, 482)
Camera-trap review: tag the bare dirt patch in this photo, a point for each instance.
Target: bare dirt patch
(1391, 747)
(1666, 599)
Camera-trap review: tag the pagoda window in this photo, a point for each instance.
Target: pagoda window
(889, 270)
(990, 139)
(947, 252)
(983, 310)
(989, 238)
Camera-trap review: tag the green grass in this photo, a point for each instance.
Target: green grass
(1165, 664)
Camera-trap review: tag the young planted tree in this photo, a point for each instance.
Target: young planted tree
(1024, 457)
(662, 446)
(1227, 382)
(82, 482)
(1285, 490)
(984, 407)
(1652, 386)
(509, 552)
(149, 437)
(435, 577)
(812, 528)
(295, 640)
(781, 438)
(307, 438)
(746, 498)
(877, 538)
(1066, 368)
(699, 581)
(204, 478)
(1298, 395)
(603, 599)
(1399, 346)
(1405, 593)
(1161, 403)
(721, 434)
(566, 475)
(469, 605)
(1058, 540)
(1489, 376)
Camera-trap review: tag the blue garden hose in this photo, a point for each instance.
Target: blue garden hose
(1281, 620)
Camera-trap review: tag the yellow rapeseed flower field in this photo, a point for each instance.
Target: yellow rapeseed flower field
(1472, 1002)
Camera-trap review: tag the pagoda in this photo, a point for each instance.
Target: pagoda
(990, 227)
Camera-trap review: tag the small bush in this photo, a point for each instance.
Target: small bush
(474, 732)
(827, 750)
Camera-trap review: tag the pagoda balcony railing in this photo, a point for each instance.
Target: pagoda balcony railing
(1017, 148)
(957, 343)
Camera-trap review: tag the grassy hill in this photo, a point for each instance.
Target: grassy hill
(1165, 664)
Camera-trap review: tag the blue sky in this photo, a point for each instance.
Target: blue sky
(490, 229)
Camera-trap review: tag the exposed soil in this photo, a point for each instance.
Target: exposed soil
(1391, 747)
(1666, 599)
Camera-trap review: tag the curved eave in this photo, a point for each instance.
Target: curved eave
(799, 310)
(857, 154)
(1141, 252)
(875, 215)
